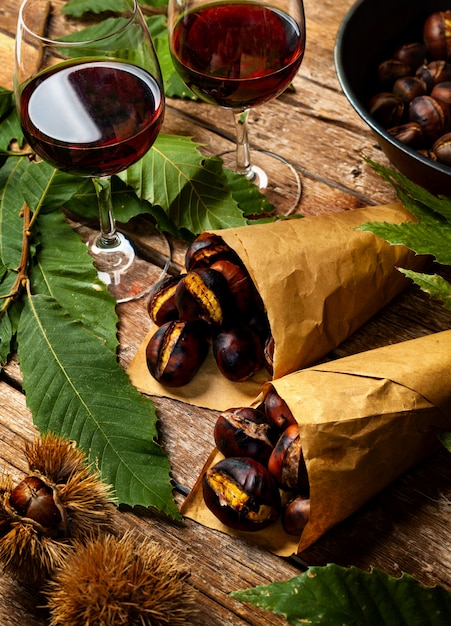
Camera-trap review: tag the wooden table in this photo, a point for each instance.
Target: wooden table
(406, 528)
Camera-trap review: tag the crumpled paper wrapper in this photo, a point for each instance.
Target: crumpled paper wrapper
(364, 421)
(320, 279)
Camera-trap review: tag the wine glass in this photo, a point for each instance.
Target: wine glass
(92, 108)
(239, 54)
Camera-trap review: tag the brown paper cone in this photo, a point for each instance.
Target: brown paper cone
(364, 421)
(319, 278)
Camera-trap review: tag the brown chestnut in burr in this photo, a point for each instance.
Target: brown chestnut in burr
(277, 410)
(295, 515)
(203, 294)
(442, 149)
(176, 351)
(244, 432)
(437, 34)
(36, 500)
(431, 115)
(161, 305)
(286, 462)
(241, 493)
(238, 352)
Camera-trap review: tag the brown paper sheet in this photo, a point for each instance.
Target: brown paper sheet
(320, 279)
(364, 421)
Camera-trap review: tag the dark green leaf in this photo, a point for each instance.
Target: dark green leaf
(10, 129)
(11, 222)
(6, 101)
(445, 438)
(75, 387)
(45, 188)
(191, 188)
(430, 234)
(65, 272)
(433, 284)
(336, 596)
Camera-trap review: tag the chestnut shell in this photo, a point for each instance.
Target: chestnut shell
(244, 432)
(176, 351)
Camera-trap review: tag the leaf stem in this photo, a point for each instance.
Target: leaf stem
(22, 274)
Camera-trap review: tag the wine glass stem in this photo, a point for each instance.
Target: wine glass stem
(243, 160)
(109, 237)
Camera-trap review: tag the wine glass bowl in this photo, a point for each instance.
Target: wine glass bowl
(91, 108)
(238, 55)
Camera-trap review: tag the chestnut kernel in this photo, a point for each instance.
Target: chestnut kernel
(238, 352)
(176, 351)
(295, 515)
(202, 294)
(161, 305)
(243, 432)
(286, 462)
(241, 493)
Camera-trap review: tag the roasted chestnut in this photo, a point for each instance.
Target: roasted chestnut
(241, 493)
(409, 87)
(431, 115)
(414, 54)
(161, 305)
(277, 410)
(203, 294)
(240, 286)
(176, 351)
(387, 108)
(286, 462)
(238, 352)
(295, 515)
(268, 352)
(392, 69)
(244, 432)
(437, 34)
(207, 248)
(442, 92)
(442, 149)
(410, 134)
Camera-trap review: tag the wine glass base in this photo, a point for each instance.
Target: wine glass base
(126, 275)
(275, 177)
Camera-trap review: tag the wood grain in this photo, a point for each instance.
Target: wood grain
(404, 529)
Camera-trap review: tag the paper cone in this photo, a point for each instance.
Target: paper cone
(320, 279)
(364, 421)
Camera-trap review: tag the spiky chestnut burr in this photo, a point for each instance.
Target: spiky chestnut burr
(61, 500)
(117, 581)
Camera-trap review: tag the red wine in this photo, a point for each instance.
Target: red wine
(94, 118)
(237, 55)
